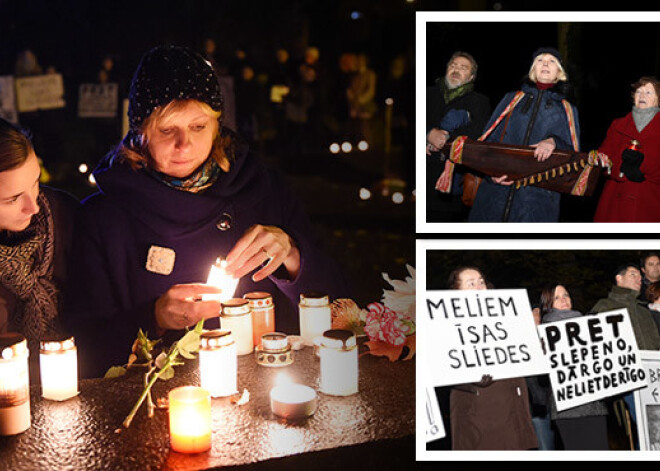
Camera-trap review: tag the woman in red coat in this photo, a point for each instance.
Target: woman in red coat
(632, 192)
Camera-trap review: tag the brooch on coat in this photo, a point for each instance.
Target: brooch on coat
(160, 260)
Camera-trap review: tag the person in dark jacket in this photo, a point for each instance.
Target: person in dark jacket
(583, 427)
(490, 414)
(625, 294)
(538, 116)
(453, 109)
(35, 239)
(179, 192)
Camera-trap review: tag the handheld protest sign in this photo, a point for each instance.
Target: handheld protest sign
(592, 357)
(435, 429)
(647, 403)
(472, 333)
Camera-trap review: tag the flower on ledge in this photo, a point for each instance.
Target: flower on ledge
(389, 324)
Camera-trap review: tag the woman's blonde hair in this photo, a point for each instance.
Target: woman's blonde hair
(561, 75)
(136, 152)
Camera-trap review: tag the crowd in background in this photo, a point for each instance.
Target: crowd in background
(294, 104)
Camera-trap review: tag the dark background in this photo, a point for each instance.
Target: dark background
(365, 237)
(602, 61)
(588, 275)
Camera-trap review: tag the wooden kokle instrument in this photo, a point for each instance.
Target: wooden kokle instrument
(564, 171)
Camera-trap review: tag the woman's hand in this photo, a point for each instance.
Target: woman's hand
(262, 244)
(181, 306)
(544, 149)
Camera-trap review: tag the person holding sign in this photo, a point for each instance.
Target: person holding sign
(35, 238)
(583, 427)
(489, 415)
(178, 192)
(625, 294)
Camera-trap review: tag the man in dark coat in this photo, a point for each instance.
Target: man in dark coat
(624, 294)
(453, 109)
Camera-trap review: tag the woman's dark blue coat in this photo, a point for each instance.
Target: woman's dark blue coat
(539, 115)
(114, 292)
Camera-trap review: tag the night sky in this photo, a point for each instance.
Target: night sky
(604, 60)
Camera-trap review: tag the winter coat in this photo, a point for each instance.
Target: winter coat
(496, 417)
(538, 116)
(623, 200)
(590, 409)
(115, 284)
(646, 332)
(478, 109)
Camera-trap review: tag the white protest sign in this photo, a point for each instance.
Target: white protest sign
(97, 100)
(41, 92)
(435, 429)
(7, 99)
(472, 333)
(592, 357)
(647, 403)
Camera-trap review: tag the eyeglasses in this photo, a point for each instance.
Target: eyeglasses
(645, 92)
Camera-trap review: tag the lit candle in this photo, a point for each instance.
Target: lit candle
(58, 364)
(236, 317)
(315, 316)
(190, 419)
(274, 350)
(14, 384)
(263, 314)
(218, 363)
(219, 278)
(339, 363)
(292, 401)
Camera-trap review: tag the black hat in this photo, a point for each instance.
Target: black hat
(547, 50)
(167, 73)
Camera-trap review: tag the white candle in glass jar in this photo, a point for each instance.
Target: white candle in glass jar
(218, 363)
(58, 365)
(236, 317)
(190, 419)
(339, 363)
(219, 278)
(14, 384)
(314, 316)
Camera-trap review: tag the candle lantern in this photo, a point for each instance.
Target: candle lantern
(315, 316)
(219, 278)
(292, 401)
(190, 419)
(58, 364)
(218, 363)
(14, 384)
(263, 314)
(237, 317)
(339, 363)
(274, 350)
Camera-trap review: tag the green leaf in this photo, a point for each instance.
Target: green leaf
(115, 372)
(188, 344)
(168, 373)
(412, 326)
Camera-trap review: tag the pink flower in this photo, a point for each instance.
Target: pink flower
(385, 325)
